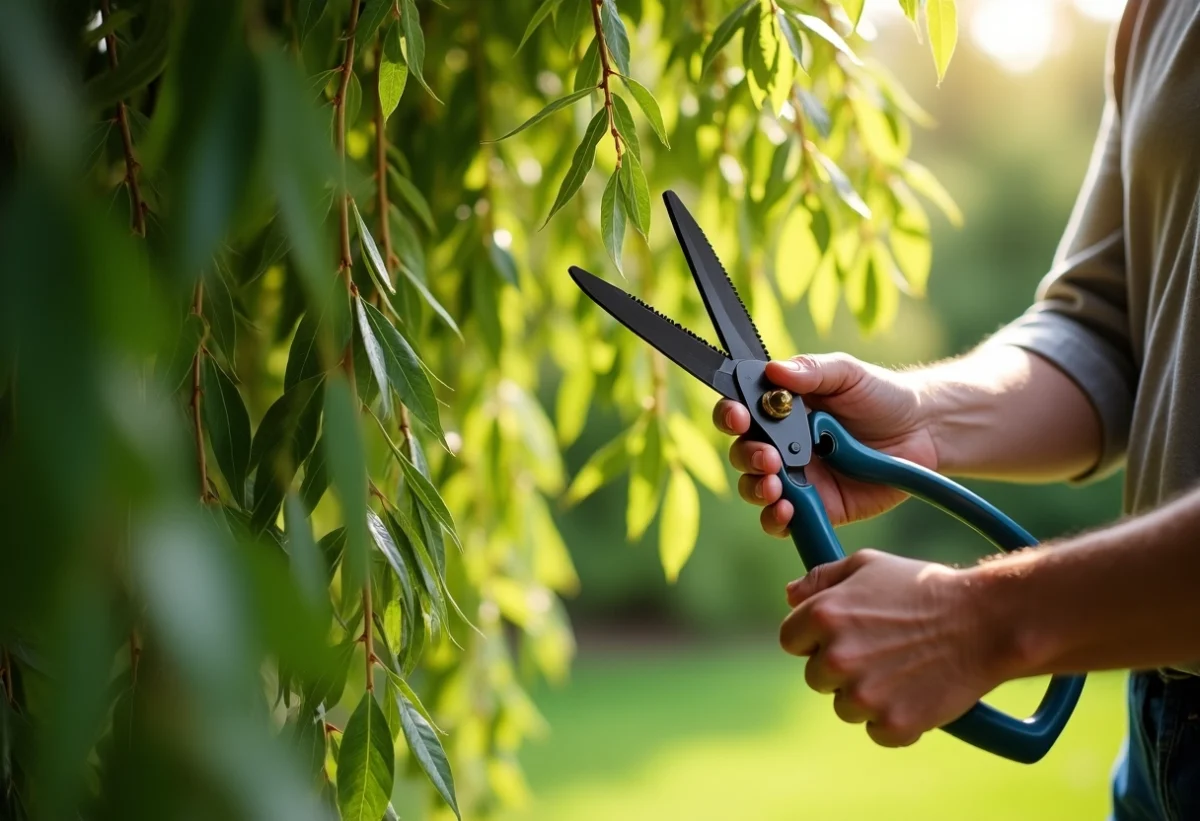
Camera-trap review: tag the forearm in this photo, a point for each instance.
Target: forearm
(1127, 596)
(1001, 412)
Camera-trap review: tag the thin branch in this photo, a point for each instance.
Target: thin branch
(606, 74)
(136, 206)
(339, 144)
(197, 391)
(368, 639)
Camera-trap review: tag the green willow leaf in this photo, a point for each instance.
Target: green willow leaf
(921, 180)
(430, 299)
(649, 107)
(228, 427)
(413, 197)
(615, 36)
(221, 313)
(348, 471)
(404, 371)
(587, 76)
(385, 543)
(427, 749)
(375, 260)
(645, 483)
(792, 36)
(365, 764)
(581, 162)
(304, 358)
(414, 39)
(285, 437)
(308, 14)
(601, 468)
(353, 99)
(625, 125)
(680, 523)
(843, 186)
(401, 687)
(697, 453)
(560, 103)
(426, 493)
(141, 61)
(316, 477)
(375, 355)
(823, 30)
(910, 8)
(371, 16)
(724, 33)
(854, 10)
(305, 560)
(176, 370)
(503, 263)
(393, 71)
(941, 19)
(539, 16)
(636, 192)
(612, 220)
(429, 526)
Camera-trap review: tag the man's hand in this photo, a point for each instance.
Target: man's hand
(902, 644)
(881, 408)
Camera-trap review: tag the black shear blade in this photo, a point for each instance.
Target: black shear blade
(677, 343)
(734, 327)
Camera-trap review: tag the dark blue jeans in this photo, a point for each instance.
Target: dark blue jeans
(1157, 777)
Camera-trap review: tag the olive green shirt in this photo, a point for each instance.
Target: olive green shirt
(1119, 311)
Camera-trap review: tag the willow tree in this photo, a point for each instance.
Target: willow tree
(288, 356)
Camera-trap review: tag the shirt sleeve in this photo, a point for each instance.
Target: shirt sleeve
(1080, 321)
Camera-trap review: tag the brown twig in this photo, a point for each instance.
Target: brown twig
(368, 639)
(197, 392)
(339, 144)
(606, 73)
(136, 206)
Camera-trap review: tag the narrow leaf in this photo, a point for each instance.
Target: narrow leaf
(615, 36)
(365, 764)
(414, 39)
(843, 186)
(823, 30)
(680, 523)
(426, 493)
(697, 453)
(645, 483)
(427, 749)
(612, 220)
(403, 689)
(636, 192)
(348, 472)
(792, 35)
(941, 18)
(854, 10)
(601, 468)
(375, 356)
(539, 16)
(724, 33)
(561, 102)
(581, 163)
(430, 299)
(404, 371)
(393, 71)
(649, 107)
(371, 17)
(307, 564)
(588, 74)
(922, 181)
(228, 427)
(413, 197)
(371, 251)
(625, 125)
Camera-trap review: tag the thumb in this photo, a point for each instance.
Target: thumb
(816, 374)
(821, 577)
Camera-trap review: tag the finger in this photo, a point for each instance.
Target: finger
(817, 374)
(760, 490)
(821, 577)
(801, 635)
(731, 417)
(849, 709)
(749, 456)
(819, 676)
(774, 518)
(887, 734)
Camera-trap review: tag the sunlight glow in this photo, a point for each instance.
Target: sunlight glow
(1017, 34)
(1107, 10)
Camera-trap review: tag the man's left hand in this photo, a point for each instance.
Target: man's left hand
(904, 645)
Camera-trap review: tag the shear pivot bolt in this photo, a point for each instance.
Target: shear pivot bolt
(777, 403)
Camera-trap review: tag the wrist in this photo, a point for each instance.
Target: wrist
(1015, 640)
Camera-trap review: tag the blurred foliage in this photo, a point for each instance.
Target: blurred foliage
(276, 323)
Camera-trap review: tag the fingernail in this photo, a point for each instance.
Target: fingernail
(790, 364)
(792, 585)
(758, 490)
(729, 420)
(759, 460)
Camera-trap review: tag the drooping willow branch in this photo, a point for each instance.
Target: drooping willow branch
(385, 232)
(197, 398)
(137, 215)
(606, 74)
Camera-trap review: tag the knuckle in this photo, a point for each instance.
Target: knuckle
(864, 699)
(825, 617)
(839, 662)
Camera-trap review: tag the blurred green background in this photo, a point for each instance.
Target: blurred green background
(680, 705)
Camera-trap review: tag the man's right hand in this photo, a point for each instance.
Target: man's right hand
(881, 408)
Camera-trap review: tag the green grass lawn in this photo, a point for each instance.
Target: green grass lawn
(732, 733)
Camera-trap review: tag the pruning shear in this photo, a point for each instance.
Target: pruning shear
(781, 419)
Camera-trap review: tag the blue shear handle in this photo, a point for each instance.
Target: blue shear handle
(982, 726)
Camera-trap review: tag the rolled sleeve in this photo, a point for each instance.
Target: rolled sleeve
(1080, 322)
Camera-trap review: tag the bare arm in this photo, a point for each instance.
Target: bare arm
(1001, 412)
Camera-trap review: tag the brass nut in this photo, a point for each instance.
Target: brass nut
(777, 403)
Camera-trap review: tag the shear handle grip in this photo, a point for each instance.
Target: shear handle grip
(1022, 740)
